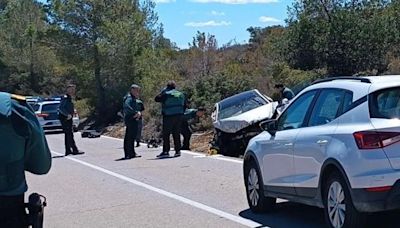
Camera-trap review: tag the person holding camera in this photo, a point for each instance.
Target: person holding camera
(23, 148)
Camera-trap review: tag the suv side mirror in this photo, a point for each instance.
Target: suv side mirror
(270, 126)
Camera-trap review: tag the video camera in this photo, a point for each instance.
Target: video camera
(35, 205)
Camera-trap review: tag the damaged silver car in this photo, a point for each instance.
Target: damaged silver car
(236, 120)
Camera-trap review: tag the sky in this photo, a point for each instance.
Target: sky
(226, 19)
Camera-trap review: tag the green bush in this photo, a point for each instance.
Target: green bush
(84, 108)
(294, 79)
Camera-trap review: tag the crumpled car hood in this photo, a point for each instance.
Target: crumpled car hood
(239, 122)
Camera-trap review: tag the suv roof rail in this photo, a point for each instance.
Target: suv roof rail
(365, 80)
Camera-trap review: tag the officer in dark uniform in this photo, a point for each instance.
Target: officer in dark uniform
(186, 132)
(23, 147)
(65, 114)
(173, 108)
(131, 118)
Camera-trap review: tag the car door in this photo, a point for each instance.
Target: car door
(312, 141)
(278, 167)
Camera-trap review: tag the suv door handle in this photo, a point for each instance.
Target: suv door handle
(288, 144)
(322, 141)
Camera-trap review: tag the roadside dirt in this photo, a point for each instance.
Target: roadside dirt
(200, 141)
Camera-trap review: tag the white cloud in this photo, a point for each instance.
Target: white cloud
(266, 19)
(236, 1)
(211, 23)
(164, 1)
(216, 13)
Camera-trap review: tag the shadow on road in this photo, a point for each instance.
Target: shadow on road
(122, 159)
(156, 159)
(53, 132)
(384, 219)
(288, 214)
(125, 159)
(58, 156)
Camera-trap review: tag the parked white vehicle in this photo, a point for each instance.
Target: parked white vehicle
(47, 114)
(336, 146)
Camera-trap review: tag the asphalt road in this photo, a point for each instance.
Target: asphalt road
(98, 190)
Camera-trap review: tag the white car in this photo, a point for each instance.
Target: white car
(47, 114)
(236, 120)
(336, 146)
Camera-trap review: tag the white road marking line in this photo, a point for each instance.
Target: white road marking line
(108, 137)
(196, 154)
(234, 218)
(199, 156)
(222, 158)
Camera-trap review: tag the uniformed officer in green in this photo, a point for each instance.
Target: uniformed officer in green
(23, 148)
(173, 108)
(188, 116)
(65, 115)
(131, 118)
(140, 122)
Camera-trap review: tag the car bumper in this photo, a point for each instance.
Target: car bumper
(75, 122)
(56, 124)
(50, 124)
(366, 201)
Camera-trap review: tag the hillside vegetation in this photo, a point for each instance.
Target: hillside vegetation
(103, 46)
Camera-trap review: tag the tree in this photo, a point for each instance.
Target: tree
(107, 36)
(345, 36)
(23, 57)
(202, 55)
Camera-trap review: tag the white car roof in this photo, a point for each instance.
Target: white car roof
(358, 87)
(383, 79)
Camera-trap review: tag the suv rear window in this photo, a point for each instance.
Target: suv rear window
(50, 107)
(385, 104)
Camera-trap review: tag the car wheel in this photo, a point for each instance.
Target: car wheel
(255, 190)
(339, 209)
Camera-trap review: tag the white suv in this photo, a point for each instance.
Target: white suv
(336, 146)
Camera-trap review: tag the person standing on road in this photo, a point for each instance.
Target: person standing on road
(23, 148)
(284, 92)
(65, 115)
(173, 108)
(140, 122)
(186, 132)
(132, 115)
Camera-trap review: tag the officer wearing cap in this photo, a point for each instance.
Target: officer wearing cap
(132, 116)
(65, 114)
(173, 107)
(23, 147)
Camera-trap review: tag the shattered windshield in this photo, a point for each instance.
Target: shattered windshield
(239, 104)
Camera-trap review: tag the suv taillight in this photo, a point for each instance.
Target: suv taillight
(374, 140)
(42, 115)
